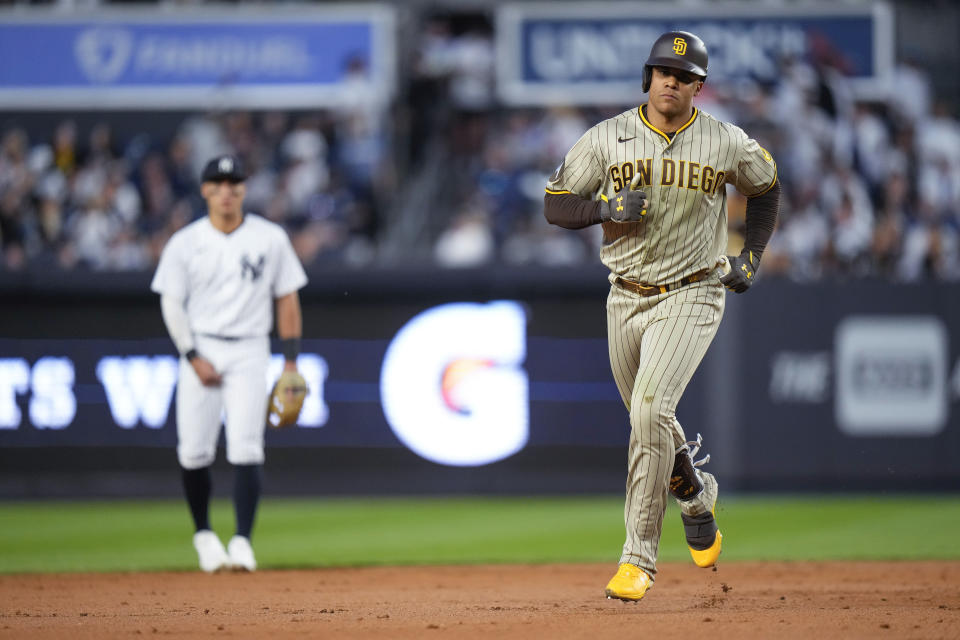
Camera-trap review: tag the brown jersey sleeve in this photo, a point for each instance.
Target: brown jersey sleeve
(761, 216)
(570, 211)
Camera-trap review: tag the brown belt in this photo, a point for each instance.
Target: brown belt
(657, 289)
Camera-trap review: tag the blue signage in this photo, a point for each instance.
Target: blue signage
(140, 59)
(567, 54)
(86, 392)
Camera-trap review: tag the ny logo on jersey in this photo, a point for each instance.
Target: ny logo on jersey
(255, 269)
(679, 46)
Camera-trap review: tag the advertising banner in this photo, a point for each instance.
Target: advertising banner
(862, 383)
(155, 59)
(449, 400)
(549, 53)
(827, 387)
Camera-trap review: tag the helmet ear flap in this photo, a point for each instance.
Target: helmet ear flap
(647, 77)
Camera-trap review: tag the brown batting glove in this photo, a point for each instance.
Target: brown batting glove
(626, 206)
(743, 270)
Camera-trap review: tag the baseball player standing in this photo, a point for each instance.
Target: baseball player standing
(217, 278)
(655, 178)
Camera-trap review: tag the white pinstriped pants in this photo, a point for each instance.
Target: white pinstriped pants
(656, 344)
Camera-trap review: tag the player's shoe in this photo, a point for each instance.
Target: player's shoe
(630, 583)
(213, 557)
(241, 554)
(703, 536)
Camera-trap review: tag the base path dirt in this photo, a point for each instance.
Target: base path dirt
(739, 600)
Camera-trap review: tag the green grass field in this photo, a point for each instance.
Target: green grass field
(155, 535)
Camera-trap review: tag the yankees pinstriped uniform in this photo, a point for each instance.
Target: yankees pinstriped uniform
(218, 279)
(657, 341)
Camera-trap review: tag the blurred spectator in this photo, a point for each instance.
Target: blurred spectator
(64, 147)
(467, 242)
(910, 92)
(871, 188)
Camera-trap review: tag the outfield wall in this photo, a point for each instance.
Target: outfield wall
(492, 382)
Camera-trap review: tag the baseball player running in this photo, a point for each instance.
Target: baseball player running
(216, 279)
(654, 177)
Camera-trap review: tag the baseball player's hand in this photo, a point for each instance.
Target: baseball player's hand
(205, 371)
(626, 206)
(743, 270)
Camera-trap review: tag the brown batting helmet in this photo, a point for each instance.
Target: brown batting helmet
(677, 50)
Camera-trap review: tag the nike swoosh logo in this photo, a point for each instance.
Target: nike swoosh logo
(625, 139)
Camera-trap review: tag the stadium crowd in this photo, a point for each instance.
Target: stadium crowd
(871, 187)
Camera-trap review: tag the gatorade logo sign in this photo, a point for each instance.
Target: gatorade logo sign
(453, 386)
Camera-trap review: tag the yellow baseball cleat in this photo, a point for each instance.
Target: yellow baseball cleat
(706, 558)
(630, 583)
(703, 539)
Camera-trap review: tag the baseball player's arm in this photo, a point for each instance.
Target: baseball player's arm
(754, 174)
(570, 211)
(178, 326)
(761, 217)
(573, 212)
(289, 328)
(569, 199)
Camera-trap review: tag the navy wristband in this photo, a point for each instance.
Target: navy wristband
(290, 348)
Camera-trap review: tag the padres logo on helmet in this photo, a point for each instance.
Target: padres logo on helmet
(678, 50)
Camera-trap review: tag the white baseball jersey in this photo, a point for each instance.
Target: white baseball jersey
(685, 228)
(228, 281)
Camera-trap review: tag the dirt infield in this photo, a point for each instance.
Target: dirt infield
(738, 600)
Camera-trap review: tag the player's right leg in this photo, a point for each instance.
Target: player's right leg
(627, 315)
(198, 428)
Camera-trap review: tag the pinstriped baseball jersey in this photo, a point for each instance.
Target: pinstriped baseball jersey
(657, 342)
(685, 227)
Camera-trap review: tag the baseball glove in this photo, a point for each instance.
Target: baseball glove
(286, 400)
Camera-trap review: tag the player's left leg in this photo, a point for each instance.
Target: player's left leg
(245, 401)
(671, 349)
(696, 494)
(696, 490)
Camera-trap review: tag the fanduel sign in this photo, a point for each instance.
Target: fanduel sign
(242, 58)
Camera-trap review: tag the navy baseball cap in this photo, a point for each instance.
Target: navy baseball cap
(223, 168)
